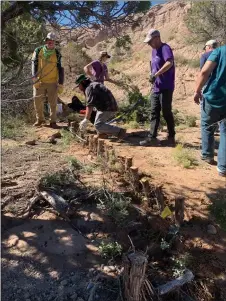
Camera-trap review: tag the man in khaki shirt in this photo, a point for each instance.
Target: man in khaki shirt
(48, 78)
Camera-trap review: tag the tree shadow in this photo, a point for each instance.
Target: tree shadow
(47, 259)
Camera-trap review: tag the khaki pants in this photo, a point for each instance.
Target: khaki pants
(49, 90)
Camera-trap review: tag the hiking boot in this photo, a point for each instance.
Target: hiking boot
(170, 141)
(39, 123)
(149, 141)
(53, 125)
(208, 160)
(121, 134)
(222, 174)
(102, 136)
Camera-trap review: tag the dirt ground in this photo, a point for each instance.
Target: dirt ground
(43, 258)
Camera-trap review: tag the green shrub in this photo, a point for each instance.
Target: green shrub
(12, 127)
(67, 137)
(195, 63)
(133, 125)
(110, 250)
(123, 42)
(180, 60)
(115, 204)
(74, 163)
(57, 179)
(184, 156)
(218, 210)
(141, 113)
(190, 121)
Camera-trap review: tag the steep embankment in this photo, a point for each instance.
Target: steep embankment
(169, 19)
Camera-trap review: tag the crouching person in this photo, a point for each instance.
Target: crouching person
(100, 97)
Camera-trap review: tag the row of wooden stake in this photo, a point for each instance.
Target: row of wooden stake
(102, 148)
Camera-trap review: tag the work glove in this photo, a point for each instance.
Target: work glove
(83, 125)
(60, 89)
(152, 78)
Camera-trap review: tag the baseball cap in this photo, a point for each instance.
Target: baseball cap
(151, 34)
(104, 53)
(211, 43)
(51, 36)
(80, 78)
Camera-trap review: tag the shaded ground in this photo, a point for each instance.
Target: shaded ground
(43, 258)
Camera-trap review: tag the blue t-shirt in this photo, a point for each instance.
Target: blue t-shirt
(204, 58)
(166, 80)
(215, 90)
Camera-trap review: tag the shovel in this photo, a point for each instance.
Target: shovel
(132, 108)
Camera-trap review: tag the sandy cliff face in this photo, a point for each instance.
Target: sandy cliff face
(169, 19)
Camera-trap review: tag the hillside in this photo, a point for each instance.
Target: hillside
(169, 19)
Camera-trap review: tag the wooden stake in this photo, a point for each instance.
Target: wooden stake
(91, 142)
(72, 126)
(179, 210)
(128, 163)
(95, 141)
(100, 147)
(135, 265)
(146, 188)
(135, 176)
(107, 148)
(160, 197)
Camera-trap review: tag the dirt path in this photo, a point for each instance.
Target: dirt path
(196, 184)
(44, 259)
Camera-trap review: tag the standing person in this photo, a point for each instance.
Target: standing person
(208, 48)
(48, 79)
(213, 106)
(163, 80)
(100, 97)
(98, 70)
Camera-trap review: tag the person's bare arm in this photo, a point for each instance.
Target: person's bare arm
(89, 111)
(88, 69)
(165, 67)
(202, 78)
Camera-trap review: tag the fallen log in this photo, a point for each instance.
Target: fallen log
(56, 201)
(60, 205)
(174, 284)
(31, 203)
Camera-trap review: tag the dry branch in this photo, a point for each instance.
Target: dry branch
(31, 203)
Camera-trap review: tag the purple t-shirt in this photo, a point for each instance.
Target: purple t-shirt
(99, 71)
(165, 81)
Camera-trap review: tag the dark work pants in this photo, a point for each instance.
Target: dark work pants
(161, 101)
